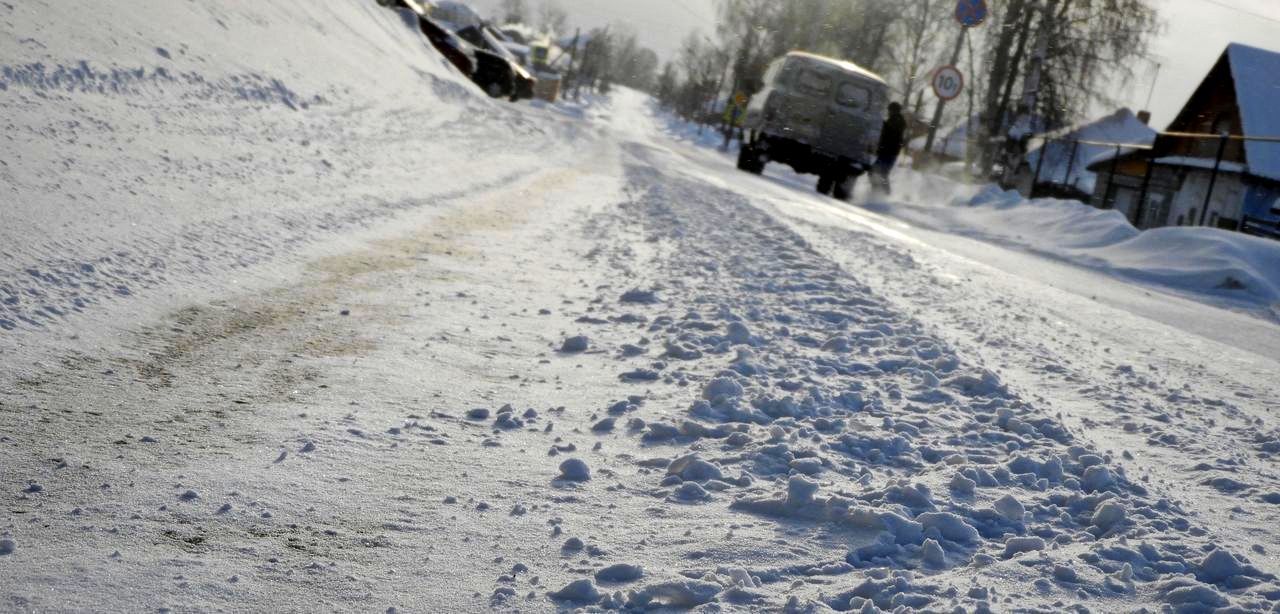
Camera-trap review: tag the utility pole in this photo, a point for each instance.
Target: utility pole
(570, 74)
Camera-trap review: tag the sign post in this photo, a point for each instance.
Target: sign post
(969, 14)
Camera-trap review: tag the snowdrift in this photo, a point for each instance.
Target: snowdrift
(1205, 261)
(172, 148)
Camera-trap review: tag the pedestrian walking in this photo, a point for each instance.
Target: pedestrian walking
(892, 136)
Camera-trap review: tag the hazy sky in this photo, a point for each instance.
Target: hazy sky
(1196, 33)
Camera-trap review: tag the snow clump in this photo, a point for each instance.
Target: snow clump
(575, 470)
(575, 344)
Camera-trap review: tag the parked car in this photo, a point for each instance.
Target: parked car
(485, 37)
(820, 116)
(455, 15)
(495, 73)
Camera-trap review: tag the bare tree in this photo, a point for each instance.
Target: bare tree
(514, 11)
(916, 41)
(552, 18)
(1078, 47)
(633, 65)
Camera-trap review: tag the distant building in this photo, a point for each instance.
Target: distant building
(1168, 186)
(1064, 171)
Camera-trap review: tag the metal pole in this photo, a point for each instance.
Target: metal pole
(1044, 149)
(1111, 182)
(1146, 185)
(942, 104)
(1213, 179)
(1071, 164)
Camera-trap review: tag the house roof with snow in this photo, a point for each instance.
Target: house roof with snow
(1239, 96)
(1122, 127)
(844, 65)
(1256, 73)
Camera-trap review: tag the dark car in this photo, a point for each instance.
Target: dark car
(493, 72)
(485, 37)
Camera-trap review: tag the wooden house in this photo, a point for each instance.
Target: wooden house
(1231, 183)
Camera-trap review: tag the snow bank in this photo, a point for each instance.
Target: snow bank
(1204, 263)
(1195, 260)
(169, 149)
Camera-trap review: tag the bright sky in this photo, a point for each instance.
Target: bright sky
(1196, 33)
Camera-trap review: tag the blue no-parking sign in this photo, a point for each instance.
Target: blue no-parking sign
(971, 13)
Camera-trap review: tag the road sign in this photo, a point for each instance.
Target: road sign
(947, 82)
(971, 13)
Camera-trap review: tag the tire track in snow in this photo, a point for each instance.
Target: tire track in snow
(813, 402)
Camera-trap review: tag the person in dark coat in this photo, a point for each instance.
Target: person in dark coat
(892, 136)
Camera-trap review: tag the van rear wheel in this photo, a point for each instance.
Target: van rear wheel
(749, 160)
(825, 184)
(843, 189)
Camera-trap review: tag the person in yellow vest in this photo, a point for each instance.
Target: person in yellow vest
(734, 114)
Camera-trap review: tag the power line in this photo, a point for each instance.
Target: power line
(681, 4)
(1220, 3)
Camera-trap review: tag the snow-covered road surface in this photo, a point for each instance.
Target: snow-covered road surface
(598, 367)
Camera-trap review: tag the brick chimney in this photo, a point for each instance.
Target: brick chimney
(1144, 117)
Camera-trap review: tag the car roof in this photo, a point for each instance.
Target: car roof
(845, 66)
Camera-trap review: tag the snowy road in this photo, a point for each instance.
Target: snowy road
(776, 400)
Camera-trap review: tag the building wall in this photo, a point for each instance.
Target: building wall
(1213, 109)
(1124, 192)
(1226, 205)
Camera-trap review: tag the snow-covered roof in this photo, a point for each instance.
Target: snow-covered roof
(1256, 73)
(1204, 163)
(456, 13)
(841, 64)
(524, 31)
(1121, 127)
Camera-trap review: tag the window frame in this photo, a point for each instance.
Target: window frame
(867, 99)
(804, 89)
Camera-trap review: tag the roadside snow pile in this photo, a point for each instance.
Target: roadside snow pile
(176, 148)
(1234, 268)
(1205, 260)
(1047, 223)
(1197, 260)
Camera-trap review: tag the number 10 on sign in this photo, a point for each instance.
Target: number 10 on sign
(948, 82)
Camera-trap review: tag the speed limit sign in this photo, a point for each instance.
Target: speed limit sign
(947, 82)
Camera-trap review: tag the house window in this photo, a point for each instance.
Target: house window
(1179, 222)
(1191, 219)
(1157, 213)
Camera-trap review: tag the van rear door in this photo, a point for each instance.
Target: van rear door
(808, 92)
(851, 118)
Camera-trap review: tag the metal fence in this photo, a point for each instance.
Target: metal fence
(1050, 178)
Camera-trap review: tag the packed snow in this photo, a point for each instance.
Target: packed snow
(297, 319)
